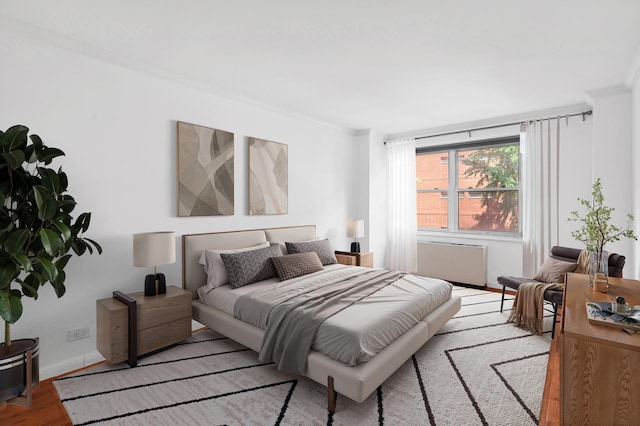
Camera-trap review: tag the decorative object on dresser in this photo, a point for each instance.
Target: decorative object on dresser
(599, 364)
(131, 325)
(355, 259)
(205, 171)
(38, 231)
(596, 232)
(268, 177)
(355, 230)
(153, 249)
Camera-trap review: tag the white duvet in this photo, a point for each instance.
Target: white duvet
(357, 333)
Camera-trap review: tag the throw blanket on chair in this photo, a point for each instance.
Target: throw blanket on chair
(527, 309)
(583, 263)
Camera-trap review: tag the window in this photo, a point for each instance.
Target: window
(486, 178)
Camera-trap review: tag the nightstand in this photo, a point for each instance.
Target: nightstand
(355, 259)
(159, 321)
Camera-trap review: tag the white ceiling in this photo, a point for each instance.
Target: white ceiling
(393, 66)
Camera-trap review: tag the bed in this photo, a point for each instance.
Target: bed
(356, 381)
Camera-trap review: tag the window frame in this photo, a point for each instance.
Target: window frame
(453, 151)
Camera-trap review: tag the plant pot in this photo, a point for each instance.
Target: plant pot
(13, 367)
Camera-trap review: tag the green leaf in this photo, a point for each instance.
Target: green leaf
(79, 247)
(23, 260)
(29, 286)
(10, 308)
(42, 195)
(14, 158)
(47, 206)
(14, 138)
(50, 179)
(58, 283)
(46, 155)
(51, 242)
(37, 142)
(96, 245)
(83, 221)
(16, 240)
(48, 269)
(62, 262)
(8, 272)
(65, 231)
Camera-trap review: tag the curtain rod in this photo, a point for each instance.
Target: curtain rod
(583, 114)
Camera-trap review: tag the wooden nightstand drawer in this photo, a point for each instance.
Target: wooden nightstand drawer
(162, 320)
(355, 259)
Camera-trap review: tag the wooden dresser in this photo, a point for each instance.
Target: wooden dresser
(599, 365)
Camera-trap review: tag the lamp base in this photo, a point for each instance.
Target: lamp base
(155, 284)
(355, 247)
(150, 285)
(162, 283)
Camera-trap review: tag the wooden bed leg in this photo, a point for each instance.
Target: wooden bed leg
(331, 395)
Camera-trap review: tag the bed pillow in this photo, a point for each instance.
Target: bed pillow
(296, 265)
(553, 270)
(283, 245)
(321, 247)
(214, 267)
(248, 267)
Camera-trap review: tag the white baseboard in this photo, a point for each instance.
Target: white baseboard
(49, 371)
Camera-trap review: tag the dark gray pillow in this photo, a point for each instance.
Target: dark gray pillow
(321, 247)
(250, 266)
(296, 265)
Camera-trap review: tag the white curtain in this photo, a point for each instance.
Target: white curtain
(540, 160)
(402, 245)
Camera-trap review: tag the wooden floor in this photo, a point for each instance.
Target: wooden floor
(46, 409)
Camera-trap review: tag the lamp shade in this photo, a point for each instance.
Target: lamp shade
(154, 248)
(355, 228)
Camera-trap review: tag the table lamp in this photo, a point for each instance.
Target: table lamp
(153, 249)
(355, 230)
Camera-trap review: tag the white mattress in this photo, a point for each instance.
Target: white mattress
(355, 334)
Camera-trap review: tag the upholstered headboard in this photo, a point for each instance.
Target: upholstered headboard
(193, 245)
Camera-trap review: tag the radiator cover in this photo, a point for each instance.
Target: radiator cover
(459, 263)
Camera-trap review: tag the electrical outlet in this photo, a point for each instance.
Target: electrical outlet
(79, 333)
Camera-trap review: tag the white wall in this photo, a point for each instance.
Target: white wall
(118, 129)
(612, 160)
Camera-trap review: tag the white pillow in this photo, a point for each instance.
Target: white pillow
(214, 267)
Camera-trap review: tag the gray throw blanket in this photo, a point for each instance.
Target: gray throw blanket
(292, 324)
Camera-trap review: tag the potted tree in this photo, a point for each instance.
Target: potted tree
(596, 231)
(37, 233)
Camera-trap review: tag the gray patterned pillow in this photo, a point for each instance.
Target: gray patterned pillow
(321, 247)
(296, 265)
(250, 266)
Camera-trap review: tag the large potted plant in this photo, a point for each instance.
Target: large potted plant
(37, 233)
(596, 231)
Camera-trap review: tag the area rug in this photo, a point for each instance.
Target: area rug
(476, 370)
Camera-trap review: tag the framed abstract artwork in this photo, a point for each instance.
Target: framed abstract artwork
(268, 177)
(205, 171)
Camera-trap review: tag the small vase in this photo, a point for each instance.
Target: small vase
(599, 270)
